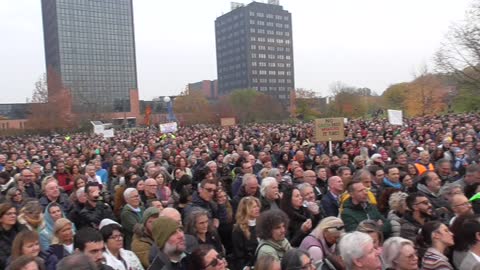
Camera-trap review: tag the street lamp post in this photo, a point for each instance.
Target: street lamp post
(170, 116)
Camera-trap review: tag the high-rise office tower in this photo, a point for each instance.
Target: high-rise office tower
(255, 49)
(90, 51)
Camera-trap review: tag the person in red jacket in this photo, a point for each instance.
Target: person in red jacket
(63, 177)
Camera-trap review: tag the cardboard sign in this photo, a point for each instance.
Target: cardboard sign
(227, 121)
(329, 129)
(395, 117)
(168, 127)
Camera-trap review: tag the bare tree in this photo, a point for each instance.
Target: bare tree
(40, 92)
(459, 54)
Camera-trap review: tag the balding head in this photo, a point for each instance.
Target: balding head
(172, 213)
(460, 205)
(310, 177)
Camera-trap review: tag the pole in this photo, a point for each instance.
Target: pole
(330, 147)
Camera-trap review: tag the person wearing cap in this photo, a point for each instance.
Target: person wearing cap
(170, 239)
(115, 255)
(142, 238)
(322, 241)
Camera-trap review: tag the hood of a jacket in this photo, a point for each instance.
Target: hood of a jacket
(424, 189)
(282, 246)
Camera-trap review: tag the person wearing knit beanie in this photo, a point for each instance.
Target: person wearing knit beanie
(163, 228)
(170, 241)
(149, 212)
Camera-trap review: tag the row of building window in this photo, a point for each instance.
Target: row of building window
(271, 40)
(271, 56)
(270, 48)
(270, 80)
(270, 24)
(271, 64)
(269, 32)
(271, 72)
(268, 16)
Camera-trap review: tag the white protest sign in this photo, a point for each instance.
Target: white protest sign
(168, 127)
(395, 117)
(109, 133)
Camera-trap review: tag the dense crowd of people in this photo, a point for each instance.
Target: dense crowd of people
(263, 196)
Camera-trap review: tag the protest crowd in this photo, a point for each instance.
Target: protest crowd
(261, 196)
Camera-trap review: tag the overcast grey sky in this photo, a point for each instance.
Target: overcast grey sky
(369, 43)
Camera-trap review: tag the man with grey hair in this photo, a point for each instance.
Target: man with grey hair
(131, 214)
(78, 261)
(249, 188)
(359, 253)
(270, 195)
(472, 176)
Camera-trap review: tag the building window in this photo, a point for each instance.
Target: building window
(252, 30)
(252, 13)
(270, 16)
(254, 55)
(263, 72)
(272, 72)
(254, 72)
(261, 15)
(262, 64)
(254, 64)
(260, 23)
(252, 21)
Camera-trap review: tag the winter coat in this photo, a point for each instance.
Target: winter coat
(162, 262)
(129, 218)
(243, 248)
(214, 210)
(297, 217)
(141, 245)
(6, 241)
(128, 257)
(272, 248)
(395, 222)
(352, 215)
(91, 216)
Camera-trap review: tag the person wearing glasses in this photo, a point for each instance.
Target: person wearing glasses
(204, 198)
(321, 243)
(420, 211)
(114, 254)
(460, 206)
(399, 254)
(297, 259)
(205, 257)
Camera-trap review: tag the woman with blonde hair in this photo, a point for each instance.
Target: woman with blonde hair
(244, 237)
(322, 241)
(62, 241)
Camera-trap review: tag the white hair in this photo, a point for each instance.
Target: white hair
(303, 186)
(266, 182)
(128, 192)
(392, 248)
(352, 247)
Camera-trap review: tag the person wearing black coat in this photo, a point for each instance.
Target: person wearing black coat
(9, 228)
(94, 210)
(301, 220)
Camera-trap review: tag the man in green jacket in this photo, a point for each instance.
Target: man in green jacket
(357, 209)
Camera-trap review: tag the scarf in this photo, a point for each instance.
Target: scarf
(391, 184)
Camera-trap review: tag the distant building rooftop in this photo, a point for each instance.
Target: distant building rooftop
(14, 110)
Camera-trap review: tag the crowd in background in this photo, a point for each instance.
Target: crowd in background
(263, 196)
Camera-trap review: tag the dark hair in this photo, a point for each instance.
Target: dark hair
(20, 262)
(89, 185)
(342, 169)
(425, 237)
(84, 236)
(425, 177)
(293, 259)
(197, 257)
(269, 220)
(412, 197)
(389, 167)
(471, 190)
(464, 228)
(374, 168)
(108, 230)
(350, 185)
(286, 201)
